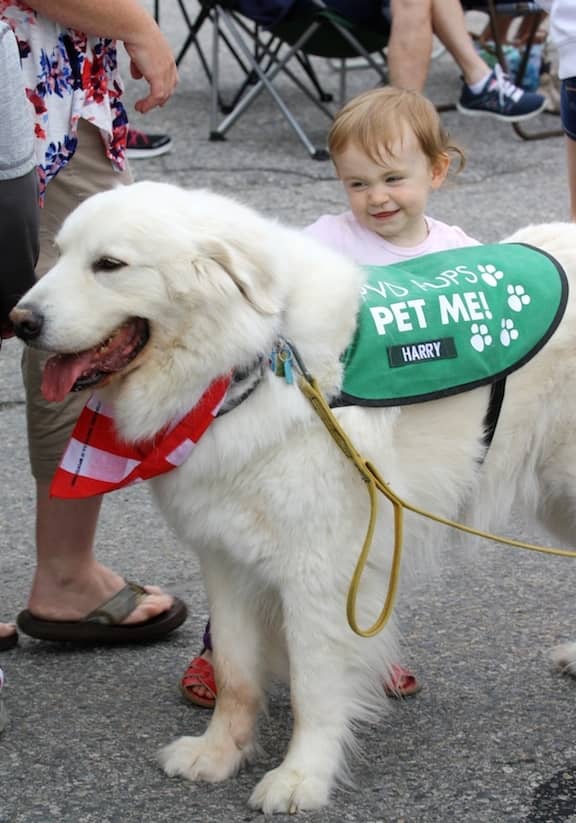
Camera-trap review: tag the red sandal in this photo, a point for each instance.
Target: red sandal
(401, 683)
(200, 672)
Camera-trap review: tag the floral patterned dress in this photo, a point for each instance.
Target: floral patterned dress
(68, 75)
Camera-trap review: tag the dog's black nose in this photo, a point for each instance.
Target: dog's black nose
(27, 323)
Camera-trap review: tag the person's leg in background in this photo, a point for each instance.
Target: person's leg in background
(410, 44)
(69, 583)
(449, 25)
(486, 92)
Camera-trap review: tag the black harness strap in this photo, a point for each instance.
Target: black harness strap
(497, 391)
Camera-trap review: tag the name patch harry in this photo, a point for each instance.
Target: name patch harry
(419, 352)
(451, 321)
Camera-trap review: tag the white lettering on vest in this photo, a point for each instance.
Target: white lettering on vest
(421, 351)
(452, 308)
(473, 304)
(417, 306)
(381, 315)
(383, 289)
(402, 316)
(446, 279)
(399, 312)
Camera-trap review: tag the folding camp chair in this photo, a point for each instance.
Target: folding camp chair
(495, 8)
(308, 29)
(253, 28)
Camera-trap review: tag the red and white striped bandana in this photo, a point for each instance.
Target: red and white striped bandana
(97, 461)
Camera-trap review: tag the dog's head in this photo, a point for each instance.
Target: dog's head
(152, 277)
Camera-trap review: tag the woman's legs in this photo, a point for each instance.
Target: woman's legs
(69, 582)
(449, 26)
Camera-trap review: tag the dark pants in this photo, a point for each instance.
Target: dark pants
(18, 241)
(568, 106)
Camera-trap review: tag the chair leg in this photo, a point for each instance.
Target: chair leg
(343, 79)
(215, 75)
(304, 61)
(207, 11)
(267, 55)
(251, 78)
(191, 39)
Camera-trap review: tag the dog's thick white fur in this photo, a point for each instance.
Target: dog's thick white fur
(275, 512)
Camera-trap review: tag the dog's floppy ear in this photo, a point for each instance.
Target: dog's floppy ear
(251, 277)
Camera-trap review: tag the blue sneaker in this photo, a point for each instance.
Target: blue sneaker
(501, 99)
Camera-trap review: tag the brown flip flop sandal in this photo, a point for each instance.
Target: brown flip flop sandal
(104, 624)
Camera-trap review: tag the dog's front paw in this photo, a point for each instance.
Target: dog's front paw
(563, 658)
(198, 758)
(286, 790)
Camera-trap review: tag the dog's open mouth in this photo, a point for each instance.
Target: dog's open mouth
(65, 373)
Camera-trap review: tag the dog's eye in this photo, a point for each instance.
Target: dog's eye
(107, 264)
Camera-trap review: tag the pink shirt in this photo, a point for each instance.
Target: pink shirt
(343, 233)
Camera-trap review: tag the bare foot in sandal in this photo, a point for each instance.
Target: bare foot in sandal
(57, 598)
(97, 606)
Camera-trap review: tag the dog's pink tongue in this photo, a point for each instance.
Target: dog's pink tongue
(61, 372)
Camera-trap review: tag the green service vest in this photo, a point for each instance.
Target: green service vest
(451, 321)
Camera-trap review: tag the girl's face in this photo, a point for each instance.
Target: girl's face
(390, 197)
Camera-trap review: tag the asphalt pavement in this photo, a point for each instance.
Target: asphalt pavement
(490, 738)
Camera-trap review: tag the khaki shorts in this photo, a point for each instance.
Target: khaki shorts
(50, 424)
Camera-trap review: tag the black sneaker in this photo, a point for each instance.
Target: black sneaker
(501, 99)
(140, 144)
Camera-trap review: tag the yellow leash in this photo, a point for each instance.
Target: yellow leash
(375, 483)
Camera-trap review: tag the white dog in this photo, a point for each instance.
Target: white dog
(171, 289)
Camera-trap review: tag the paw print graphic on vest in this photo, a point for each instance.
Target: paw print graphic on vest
(480, 337)
(517, 298)
(490, 274)
(508, 333)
